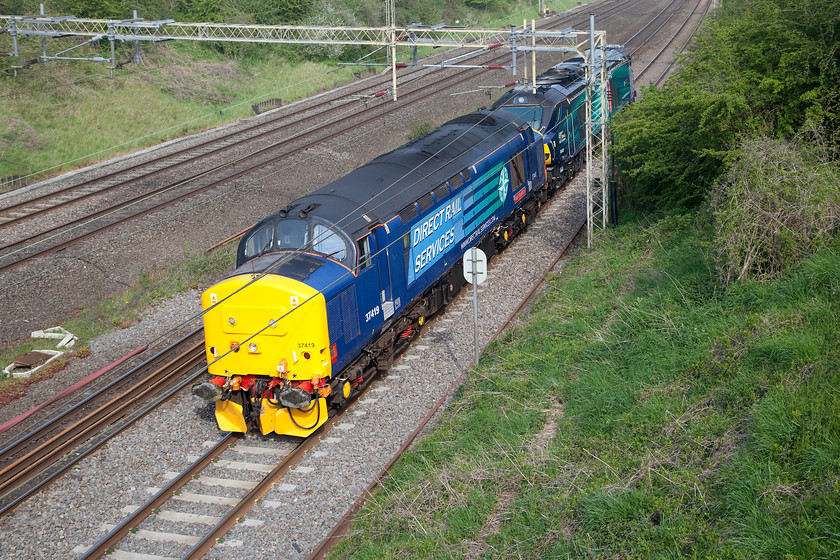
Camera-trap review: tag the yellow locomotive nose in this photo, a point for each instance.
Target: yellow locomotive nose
(268, 338)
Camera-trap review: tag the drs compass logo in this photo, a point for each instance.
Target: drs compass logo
(504, 181)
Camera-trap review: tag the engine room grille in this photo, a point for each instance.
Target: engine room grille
(425, 202)
(335, 320)
(350, 313)
(343, 317)
(408, 213)
(441, 192)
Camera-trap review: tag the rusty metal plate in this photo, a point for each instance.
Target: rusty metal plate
(32, 359)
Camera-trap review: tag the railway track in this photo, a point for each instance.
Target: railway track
(277, 120)
(153, 531)
(209, 479)
(35, 459)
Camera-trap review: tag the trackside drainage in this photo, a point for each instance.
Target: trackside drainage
(29, 363)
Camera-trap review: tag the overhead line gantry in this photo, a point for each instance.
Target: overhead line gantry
(518, 39)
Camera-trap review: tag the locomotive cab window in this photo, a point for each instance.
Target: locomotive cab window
(364, 252)
(329, 242)
(259, 241)
(292, 234)
(531, 114)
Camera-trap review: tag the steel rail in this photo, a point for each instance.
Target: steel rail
(16, 446)
(651, 22)
(664, 73)
(88, 449)
(670, 40)
(355, 89)
(247, 502)
(343, 525)
(35, 461)
(106, 544)
(235, 513)
(444, 82)
(340, 529)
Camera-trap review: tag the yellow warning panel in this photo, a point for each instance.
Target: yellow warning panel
(276, 320)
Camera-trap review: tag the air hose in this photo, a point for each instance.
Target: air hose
(317, 418)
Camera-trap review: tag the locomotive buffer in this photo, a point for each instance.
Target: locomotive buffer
(475, 272)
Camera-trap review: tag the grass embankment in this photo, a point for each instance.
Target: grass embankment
(642, 412)
(66, 114)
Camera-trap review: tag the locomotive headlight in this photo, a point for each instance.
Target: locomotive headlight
(252, 348)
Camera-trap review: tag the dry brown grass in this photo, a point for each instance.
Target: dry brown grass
(777, 203)
(202, 82)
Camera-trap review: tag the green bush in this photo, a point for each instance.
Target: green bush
(758, 68)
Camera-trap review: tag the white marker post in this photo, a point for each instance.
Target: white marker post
(475, 272)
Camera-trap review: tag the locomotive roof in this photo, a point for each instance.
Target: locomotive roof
(377, 191)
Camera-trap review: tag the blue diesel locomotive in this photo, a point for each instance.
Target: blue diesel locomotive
(330, 289)
(557, 109)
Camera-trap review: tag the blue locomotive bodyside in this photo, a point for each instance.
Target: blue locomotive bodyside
(402, 257)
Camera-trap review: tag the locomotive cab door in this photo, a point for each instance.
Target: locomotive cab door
(386, 297)
(374, 289)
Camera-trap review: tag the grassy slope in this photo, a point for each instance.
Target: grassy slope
(175, 90)
(693, 422)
